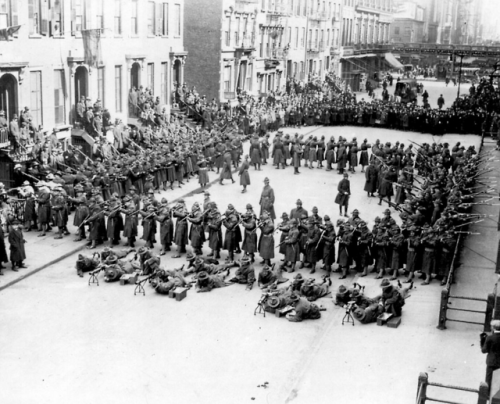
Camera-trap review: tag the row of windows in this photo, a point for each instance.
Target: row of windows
(36, 99)
(356, 32)
(303, 7)
(47, 17)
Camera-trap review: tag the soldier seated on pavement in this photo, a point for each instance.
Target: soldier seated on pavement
(303, 309)
(312, 291)
(206, 282)
(368, 314)
(245, 274)
(392, 299)
(86, 264)
(343, 296)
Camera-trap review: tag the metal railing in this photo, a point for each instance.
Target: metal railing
(423, 383)
(229, 95)
(278, 53)
(312, 47)
(247, 42)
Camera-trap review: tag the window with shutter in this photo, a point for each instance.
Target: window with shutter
(44, 26)
(31, 15)
(14, 20)
(87, 11)
(159, 19)
(165, 19)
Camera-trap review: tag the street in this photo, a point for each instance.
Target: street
(70, 342)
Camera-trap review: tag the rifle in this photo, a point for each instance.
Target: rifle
(321, 238)
(139, 288)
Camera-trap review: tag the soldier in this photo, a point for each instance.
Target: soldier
(299, 211)
(303, 310)
(214, 232)
(266, 240)
(380, 244)
(292, 251)
(429, 241)
(344, 192)
(245, 274)
(269, 279)
(95, 226)
(16, 242)
(364, 242)
(278, 152)
(196, 232)
(43, 207)
(345, 247)
(267, 199)
(297, 155)
(312, 291)
(59, 211)
(226, 169)
(115, 220)
(446, 243)
(82, 211)
(327, 246)
(371, 176)
(391, 298)
(231, 240)
(250, 240)
(149, 225)
(243, 174)
(206, 282)
(396, 244)
(181, 227)
(413, 255)
(130, 227)
(312, 241)
(164, 217)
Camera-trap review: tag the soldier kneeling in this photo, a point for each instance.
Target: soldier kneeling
(245, 274)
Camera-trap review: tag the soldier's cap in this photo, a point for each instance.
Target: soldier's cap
(342, 290)
(273, 302)
(298, 277)
(387, 212)
(133, 188)
(249, 206)
(181, 201)
(50, 176)
(151, 191)
(164, 201)
(385, 283)
(355, 211)
(266, 179)
(292, 221)
(294, 297)
(26, 183)
(203, 275)
(355, 293)
(207, 193)
(80, 257)
(284, 214)
(265, 268)
(299, 202)
(245, 260)
(362, 224)
(151, 207)
(413, 229)
(142, 250)
(359, 313)
(340, 221)
(189, 256)
(346, 175)
(199, 260)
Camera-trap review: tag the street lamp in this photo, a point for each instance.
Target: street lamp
(459, 72)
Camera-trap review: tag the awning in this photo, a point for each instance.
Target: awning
(366, 55)
(389, 57)
(469, 69)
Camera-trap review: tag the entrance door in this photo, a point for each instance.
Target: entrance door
(135, 77)
(8, 96)
(81, 83)
(177, 72)
(289, 68)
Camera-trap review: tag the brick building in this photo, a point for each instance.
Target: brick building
(253, 45)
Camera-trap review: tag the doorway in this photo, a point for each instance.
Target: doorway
(81, 83)
(135, 76)
(8, 96)
(177, 72)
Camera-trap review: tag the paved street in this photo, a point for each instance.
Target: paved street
(70, 342)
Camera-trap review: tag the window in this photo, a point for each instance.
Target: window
(227, 32)
(134, 26)
(227, 78)
(77, 16)
(35, 17)
(151, 76)
(118, 89)
(118, 17)
(56, 21)
(8, 13)
(100, 84)
(297, 37)
(99, 16)
(289, 36)
(396, 30)
(177, 20)
(165, 20)
(302, 38)
(59, 97)
(151, 18)
(249, 76)
(36, 97)
(237, 32)
(164, 83)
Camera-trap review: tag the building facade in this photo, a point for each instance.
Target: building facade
(43, 65)
(254, 45)
(365, 28)
(408, 25)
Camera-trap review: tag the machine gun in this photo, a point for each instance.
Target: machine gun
(93, 274)
(139, 285)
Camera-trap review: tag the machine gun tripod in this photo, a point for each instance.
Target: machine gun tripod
(348, 318)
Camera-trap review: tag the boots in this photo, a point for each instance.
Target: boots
(279, 275)
(344, 273)
(292, 268)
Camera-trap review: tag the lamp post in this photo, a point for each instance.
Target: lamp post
(459, 73)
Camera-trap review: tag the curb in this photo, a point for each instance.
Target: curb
(34, 271)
